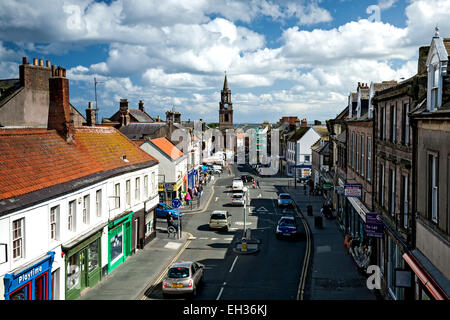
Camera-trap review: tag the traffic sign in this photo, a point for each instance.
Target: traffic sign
(176, 203)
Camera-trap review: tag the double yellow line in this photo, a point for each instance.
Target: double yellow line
(304, 274)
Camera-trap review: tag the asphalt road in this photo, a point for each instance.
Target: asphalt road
(273, 273)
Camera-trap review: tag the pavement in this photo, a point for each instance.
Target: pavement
(333, 274)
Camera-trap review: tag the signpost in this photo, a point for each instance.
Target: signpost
(374, 225)
(352, 190)
(176, 203)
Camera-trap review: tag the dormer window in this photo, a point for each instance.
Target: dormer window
(434, 92)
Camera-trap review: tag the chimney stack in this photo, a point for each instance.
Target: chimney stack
(33, 78)
(59, 116)
(297, 123)
(304, 122)
(124, 114)
(90, 115)
(141, 105)
(317, 123)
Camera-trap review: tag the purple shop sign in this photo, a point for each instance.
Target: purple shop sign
(374, 225)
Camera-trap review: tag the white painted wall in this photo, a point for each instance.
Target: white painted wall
(304, 145)
(37, 241)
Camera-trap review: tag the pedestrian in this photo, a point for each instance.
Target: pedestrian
(187, 197)
(257, 183)
(304, 189)
(229, 170)
(254, 184)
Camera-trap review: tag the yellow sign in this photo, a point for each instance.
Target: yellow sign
(178, 185)
(160, 186)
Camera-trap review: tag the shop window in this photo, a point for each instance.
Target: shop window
(71, 216)
(116, 243)
(54, 223)
(41, 287)
(73, 273)
(93, 256)
(98, 202)
(17, 237)
(23, 293)
(55, 285)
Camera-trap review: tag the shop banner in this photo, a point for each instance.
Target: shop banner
(374, 225)
(352, 190)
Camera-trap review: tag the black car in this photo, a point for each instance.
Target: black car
(247, 178)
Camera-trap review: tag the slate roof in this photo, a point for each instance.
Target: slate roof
(342, 137)
(298, 134)
(140, 116)
(141, 129)
(167, 147)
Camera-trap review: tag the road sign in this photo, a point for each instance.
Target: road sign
(176, 203)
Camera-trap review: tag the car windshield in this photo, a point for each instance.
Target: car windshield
(217, 216)
(285, 196)
(178, 272)
(237, 196)
(287, 223)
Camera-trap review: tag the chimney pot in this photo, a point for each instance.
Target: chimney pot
(48, 63)
(53, 70)
(35, 62)
(24, 60)
(41, 62)
(63, 72)
(90, 104)
(141, 105)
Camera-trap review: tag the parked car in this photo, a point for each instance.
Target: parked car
(220, 219)
(287, 227)
(238, 198)
(183, 278)
(247, 178)
(163, 209)
(237, 185)
(285, 200)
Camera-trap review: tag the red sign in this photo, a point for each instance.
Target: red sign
(352, 190)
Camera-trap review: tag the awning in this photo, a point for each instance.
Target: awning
(359, 207)
(423, 275)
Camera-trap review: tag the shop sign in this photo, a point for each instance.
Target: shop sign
(374, 225)
(326, 186)
(352, 190)
(160, 186)
(168, 186)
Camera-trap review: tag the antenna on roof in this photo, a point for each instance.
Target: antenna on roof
(95, 91)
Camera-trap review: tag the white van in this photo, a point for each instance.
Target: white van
(238, 184)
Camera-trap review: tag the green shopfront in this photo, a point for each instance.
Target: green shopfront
(83, 263)
(119, 240)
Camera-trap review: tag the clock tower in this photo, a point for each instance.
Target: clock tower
(225, 108)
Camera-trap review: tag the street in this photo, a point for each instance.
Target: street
(271, 273)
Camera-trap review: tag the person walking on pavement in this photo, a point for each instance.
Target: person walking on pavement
(254, 184)
(257, 184)
(304, 188)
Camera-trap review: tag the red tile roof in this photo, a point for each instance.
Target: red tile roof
(34, 159)
(108, 146)
(167, 147)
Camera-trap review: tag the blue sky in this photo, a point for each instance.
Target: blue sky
(283, 58)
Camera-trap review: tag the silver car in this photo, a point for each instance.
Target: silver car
(183, 278)
(237, 198)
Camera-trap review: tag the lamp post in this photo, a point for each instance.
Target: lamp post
(245, 189)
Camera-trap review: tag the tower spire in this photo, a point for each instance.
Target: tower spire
(225, 82)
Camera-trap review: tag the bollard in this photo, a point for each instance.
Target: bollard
(243, 244)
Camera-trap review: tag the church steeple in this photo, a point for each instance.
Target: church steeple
(225, 83)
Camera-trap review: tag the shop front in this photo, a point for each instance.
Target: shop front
(150, 219)
(119, 240)
(32, 281)
(83, 263)
(190, 180)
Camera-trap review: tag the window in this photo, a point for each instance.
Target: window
(404, 198)
(405, 124)
(117, 196)
(353, 150)
(153, 183)
(54, 223)
(392, 191)
(137, 191)
(393, 124)
(381, 185)
(86, 208)
(433, 173)
(307, 159)
(71, 216)
(362, 155)
(127, 192)
(17, 237)
(357, 154)
(98, 202)
(145, 187)
(382, 123)
(435, 87)
(369, 157)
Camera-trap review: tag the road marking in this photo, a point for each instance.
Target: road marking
(321, 249)
(234, 262)
(262, 209)
(217, 198)
(172, 245)
(203, 238)
(241, 223)
(214, 238)
(260, 196)
(220, 293)
(228, 239)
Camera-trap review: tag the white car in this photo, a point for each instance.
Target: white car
(238, 184)
(220, 219)
(238, 198)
